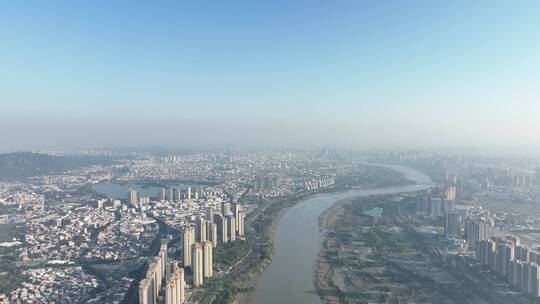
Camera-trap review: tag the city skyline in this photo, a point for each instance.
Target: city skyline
(266, 152)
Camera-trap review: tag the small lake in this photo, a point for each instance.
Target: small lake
(374, 212)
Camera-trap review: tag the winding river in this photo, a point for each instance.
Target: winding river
(289, 277)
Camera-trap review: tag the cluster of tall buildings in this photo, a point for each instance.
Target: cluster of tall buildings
(316, 184)
(502, 255)
(435, 206)
(444, 205)
(199, 239)
(201, 262)
(175, 194)
(163, 282)
(175, 289)
(509, 259)
(261, 183)
(480, 230)
(441, 202)
(135, 200)
(523, 180)
(171, 194)
(197, 255)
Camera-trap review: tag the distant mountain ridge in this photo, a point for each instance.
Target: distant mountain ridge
(21, 165)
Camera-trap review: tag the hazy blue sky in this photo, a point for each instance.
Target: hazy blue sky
(354, 73)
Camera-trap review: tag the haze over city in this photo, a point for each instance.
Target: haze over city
(263, 152)
(353, 74)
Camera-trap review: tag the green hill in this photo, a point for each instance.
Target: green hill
(20, 165)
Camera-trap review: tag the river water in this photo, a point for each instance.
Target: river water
(289, 277)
